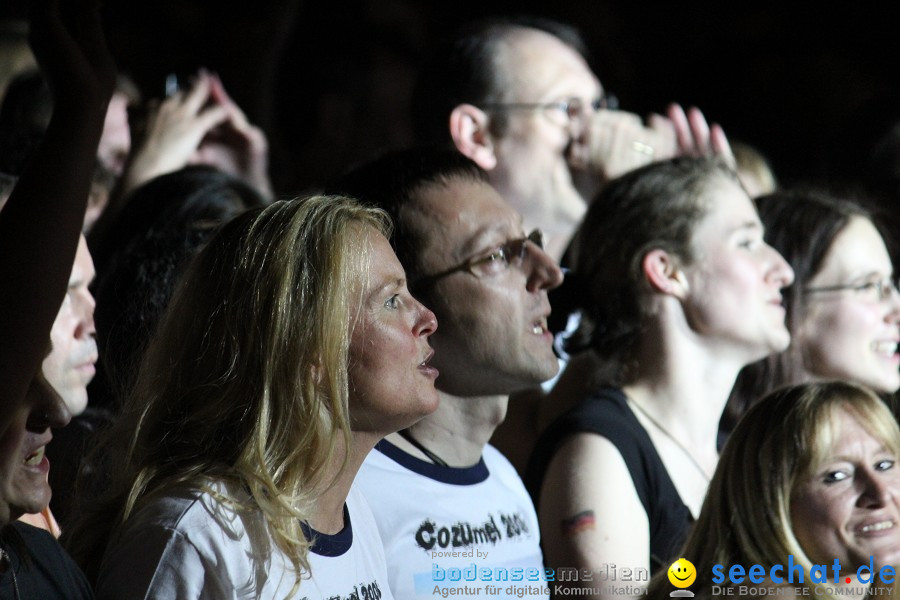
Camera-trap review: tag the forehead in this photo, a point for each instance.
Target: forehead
(857, 250)
(381, 261)
(459, 217)
(542, 67)
(727, 207)
(381, 268)
(845, 430)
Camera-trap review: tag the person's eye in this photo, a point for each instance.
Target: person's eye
(884, 465)
(393, 302)
(835, 476)
(750, 243)
(495, 262)
(498, 255)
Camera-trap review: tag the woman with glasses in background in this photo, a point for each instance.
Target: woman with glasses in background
(843, 310)
(679, 293)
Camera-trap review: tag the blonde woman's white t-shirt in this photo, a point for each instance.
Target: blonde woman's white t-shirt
(191, 546)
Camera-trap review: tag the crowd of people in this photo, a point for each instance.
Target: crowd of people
(548, 350)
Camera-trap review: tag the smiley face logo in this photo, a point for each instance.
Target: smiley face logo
(682, 573)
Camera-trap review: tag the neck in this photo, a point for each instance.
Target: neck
(682, 383)
(328, 517)
(458, 430)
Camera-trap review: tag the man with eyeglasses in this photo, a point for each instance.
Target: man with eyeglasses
(519, 99)
(449, 505)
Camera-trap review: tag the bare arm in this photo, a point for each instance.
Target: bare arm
(590, 513)
(41, 222)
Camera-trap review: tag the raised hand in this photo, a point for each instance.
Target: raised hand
(694, 136)
(236, 146)
(616, 142)
(174, 132)
(202, 125)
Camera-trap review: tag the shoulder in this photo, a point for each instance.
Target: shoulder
(361, 515)
(51, 567)
(183, 543)
(588, 453)
(600, 428)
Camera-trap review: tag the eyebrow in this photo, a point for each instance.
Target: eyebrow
(747, 225)
(391, 283)
(881, 450)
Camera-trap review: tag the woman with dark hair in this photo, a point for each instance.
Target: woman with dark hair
(810, 472)
(679, 293)
(843, 310)
(163, 224)
(290, 348)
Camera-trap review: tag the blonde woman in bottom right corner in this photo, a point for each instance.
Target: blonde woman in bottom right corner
(807, 488)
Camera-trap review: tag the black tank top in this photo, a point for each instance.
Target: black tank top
(606, 413)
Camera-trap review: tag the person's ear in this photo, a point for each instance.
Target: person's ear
(471, 135)
(662, 272)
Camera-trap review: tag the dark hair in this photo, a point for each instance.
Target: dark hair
(393, 180)
(801, 226)
(24, 115)
(468, 68)
(163, 224)
(655, 207)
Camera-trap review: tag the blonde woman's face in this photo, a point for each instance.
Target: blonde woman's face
(391, 380)
(848, 507)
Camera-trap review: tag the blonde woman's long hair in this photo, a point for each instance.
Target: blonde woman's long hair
(246, 381)
(746, 516)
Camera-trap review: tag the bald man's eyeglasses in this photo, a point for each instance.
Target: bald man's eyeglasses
(574, 108)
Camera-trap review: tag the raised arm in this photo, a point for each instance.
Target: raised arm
(41, 222)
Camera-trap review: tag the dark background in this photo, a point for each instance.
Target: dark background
(810, 85)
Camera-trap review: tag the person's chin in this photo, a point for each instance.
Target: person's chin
(36, 501)
(76, 400)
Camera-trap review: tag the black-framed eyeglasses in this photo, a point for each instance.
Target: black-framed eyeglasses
(882, 288)
(574, 108)
(510, 254)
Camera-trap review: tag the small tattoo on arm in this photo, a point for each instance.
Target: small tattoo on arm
(577, 523)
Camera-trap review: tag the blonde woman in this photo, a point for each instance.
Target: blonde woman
(290, 349)
(810, 472)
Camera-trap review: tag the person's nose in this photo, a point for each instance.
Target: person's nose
(543, 273)
(780, 272)
(893, 302)
(48, 408)
(426, 322)
(878, 487)
(85, 311)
